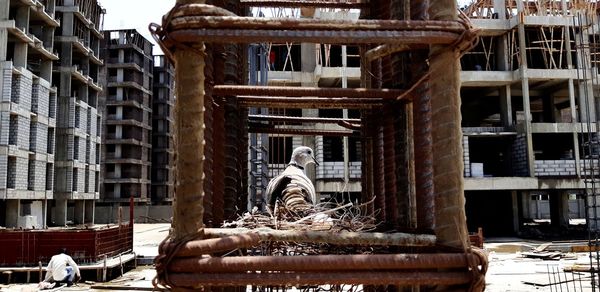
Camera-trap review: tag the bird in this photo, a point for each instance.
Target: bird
(292, 186)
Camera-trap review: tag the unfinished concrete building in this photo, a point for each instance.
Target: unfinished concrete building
(528, 119)
(28, 111)
(529, 99)
(162, 131)
(127, 148)
(77, 163)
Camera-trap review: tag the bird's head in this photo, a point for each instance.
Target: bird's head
(302, 156)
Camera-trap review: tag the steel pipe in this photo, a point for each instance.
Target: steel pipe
(339, 238)
(231, 90)
(313, 263)
(320, 278)
(300, 132)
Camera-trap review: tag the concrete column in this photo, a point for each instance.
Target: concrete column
(12, 213)
(45, 214)
(585, 100)
(79, 213)
(60, 212)
(22, 18)
(515, 209)
(506, 106)
(311, 170)
(89, 211)
(559, 208)
(525, 88)
(46, 70)
(20, 55)
(4, 9)
(4, 42)
(500, 8)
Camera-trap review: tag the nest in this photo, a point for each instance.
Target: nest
(329, 216)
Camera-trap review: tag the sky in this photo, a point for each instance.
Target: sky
(137, 14)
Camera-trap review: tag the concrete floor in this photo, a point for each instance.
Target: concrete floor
(507, 272)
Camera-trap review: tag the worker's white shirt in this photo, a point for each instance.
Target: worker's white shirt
(57, 267)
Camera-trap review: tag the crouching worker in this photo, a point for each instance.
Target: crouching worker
(62, 269)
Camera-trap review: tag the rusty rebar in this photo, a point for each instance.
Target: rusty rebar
(303, 26)
(219, 139)
(347, 4)
(216, 35)
(389, 151)
(231, 90)
(320, 278)
(208, 136)
(314, 263)
(271, 118)
(422, 131)
(216, 245)
(308, 102)
(339, 238)
(300, 132)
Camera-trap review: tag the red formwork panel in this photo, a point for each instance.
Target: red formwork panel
(28, 247)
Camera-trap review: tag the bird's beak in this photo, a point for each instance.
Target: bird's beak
(314, 160)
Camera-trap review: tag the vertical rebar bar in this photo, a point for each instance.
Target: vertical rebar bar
(208, 136)
(422, 131)
(450, 226)
(189, 117)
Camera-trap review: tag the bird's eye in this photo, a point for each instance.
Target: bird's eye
(309, 152)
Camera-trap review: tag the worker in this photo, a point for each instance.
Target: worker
(62, 269)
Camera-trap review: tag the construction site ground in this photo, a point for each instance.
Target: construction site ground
(515, 265)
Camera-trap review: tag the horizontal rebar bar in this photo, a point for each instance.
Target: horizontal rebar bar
(214, 245)
(225, 90)
(347, 4)
(301, 132)
(320, 278)
(313, 263)
(339, 238)
(218, 35)
(269, 118)
(194, 21)
(308, 102)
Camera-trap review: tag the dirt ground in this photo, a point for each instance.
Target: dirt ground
(509, 270)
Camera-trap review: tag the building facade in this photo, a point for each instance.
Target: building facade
(162, 131)
(49, 60)
(127, 148)
(77, 164)
(529, 98)
(28, 111)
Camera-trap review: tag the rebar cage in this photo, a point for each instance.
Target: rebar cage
(409, 131)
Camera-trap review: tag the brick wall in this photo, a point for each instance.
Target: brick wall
(37, 175)
(466, 156)
(4, 128)
(21, 173)
(555, 168)
(3, 171)
(19, 132)
(6, 75)
(519, 159)
(329, 170)
(40, 99)
(49, 176)
(22, 87)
